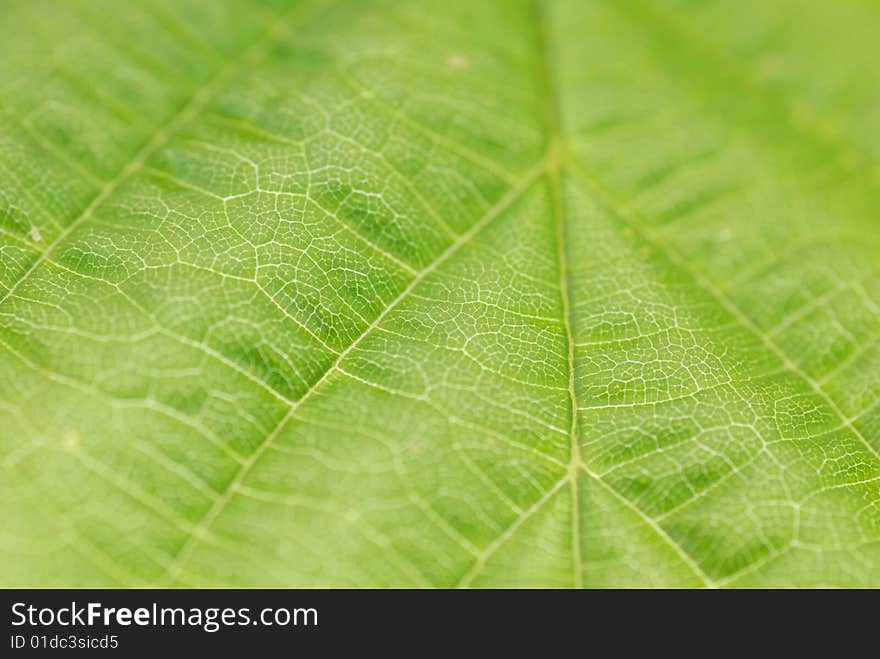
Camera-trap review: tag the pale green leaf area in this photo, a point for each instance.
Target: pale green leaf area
(367, 293)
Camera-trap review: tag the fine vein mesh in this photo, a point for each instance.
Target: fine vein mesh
(498, 294)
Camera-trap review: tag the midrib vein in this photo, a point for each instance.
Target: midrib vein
(630, 219)
(250, 54)
(556, 159)
(552, 160)
(553, 157)
(201, 529)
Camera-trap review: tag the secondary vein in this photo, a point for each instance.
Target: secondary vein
(201, 529)
(195, 104)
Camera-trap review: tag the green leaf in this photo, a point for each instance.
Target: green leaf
(471, 293)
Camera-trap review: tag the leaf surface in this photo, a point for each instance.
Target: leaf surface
(483, 294)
